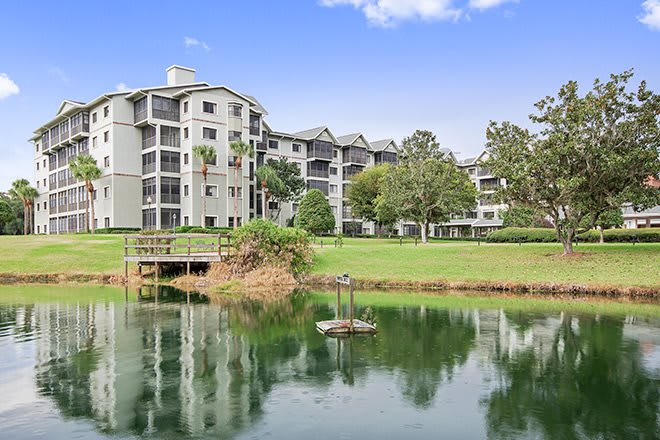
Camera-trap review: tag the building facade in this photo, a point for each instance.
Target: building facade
(142, 140)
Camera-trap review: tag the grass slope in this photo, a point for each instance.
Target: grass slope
(606, 264)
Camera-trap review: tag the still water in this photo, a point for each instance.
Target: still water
(93, 363)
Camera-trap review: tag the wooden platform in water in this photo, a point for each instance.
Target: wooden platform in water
(343, 327)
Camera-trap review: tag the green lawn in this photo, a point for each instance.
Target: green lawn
(607, 264)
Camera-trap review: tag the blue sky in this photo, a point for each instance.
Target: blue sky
(383, 67)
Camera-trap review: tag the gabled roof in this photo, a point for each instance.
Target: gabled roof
(141, 91)
(349, 139)
(383, 144)
(257, 105)
(67, 105)
(313, 133)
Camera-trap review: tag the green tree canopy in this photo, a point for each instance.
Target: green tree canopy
(85, 169)
(205, 154)
(23, 191)
(589, 152)
(363, 195)
(270, 183)
(426, 191)
(314, 213)
(240, 149)
(293, 185)
(421, 145)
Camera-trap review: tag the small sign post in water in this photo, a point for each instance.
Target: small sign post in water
(340, 326)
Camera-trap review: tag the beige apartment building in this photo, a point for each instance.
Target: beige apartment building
(142, 140)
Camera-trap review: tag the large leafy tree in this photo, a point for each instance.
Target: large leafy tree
(205, 154)
(240, 149)
(589, 152)
(426, 191)
(363, 196)
(607, 219)
(23, 191)
(85, 169)
(293, 185)
(11, 216)
(270, 183)
(314, 213)
(421, 145)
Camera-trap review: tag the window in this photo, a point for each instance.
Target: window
(317, 168)
(170, 136)
(44, 165)
(230, 192)
(106, 161)
(294, 207)
(231, 161)
(234, 135)
(37, 188)
(255, 129)
(186, 192)
(213, 161)
(334, 209)
(208, 107)
(333, 171)
(230, 221)
(235, 110)
(170, 190)
(170, 162)
(489, 215)
(169, 218)
(209, 133)
(106, 192)
(149, 162)
(94, 117)
(149, 218)
(211, 190)
(165, 108)
(185, 158)
(94, 143)
(334, 154)
(149, 190)
(106, 136)
(37, 166)
(186, 221)
(333, 188)
(106, 111)
(185, 106)
(295, 148)
(185, 132)
(210, 221)
(106, 222)
(273, 145)
(44, 182)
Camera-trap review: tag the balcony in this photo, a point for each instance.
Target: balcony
(482, 172)
(319, 150)
(52, 210)
(148, 142)
(355, 155)
(170, 141)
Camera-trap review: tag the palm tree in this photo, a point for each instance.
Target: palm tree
(269, 181)
(205, 153)
(84, 169)
(240, 149)
(22, 190)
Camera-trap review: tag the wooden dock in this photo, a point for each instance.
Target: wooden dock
(186, 249)
(339, 327)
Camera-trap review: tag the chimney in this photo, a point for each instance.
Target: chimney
(177, 75)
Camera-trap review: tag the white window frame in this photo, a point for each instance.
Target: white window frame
(217, 190)
(106, 190)
(209, 139)
(240, 192)
(185, 106)
(106, 136)
(211, 216)
(186, 189)
(215, 107)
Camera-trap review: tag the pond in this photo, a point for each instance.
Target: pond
(101, 362)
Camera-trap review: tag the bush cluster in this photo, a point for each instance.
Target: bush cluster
(523, 235)
(262, 243)
(643, 235)
(116, 230)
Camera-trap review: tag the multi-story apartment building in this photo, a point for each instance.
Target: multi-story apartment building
(142, 140)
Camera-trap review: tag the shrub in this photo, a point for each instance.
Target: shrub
(117, 230)
(203, 230)
(262, 243)
(523, 235)
(314, 213)
(644, 235)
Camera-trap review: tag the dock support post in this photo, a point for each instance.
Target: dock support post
(157, 271)
(338, 301)
(188, 267)
(351, 305)
(126, 271)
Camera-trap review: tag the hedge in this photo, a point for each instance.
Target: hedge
(117, 230)
(204, 230)
(643, 235)
(523, 235)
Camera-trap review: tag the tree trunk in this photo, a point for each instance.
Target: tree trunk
(203, 221)
(236, 194)
(30, 213)
(602, 235)
(25, 218)
(263, 201)
(424, 230)
(91, 201)
(87, 213)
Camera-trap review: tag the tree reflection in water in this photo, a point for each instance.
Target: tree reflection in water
(172, 364)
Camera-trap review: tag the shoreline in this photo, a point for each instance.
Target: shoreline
(328, 281)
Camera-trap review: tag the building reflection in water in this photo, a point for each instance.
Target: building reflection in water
(167, 362)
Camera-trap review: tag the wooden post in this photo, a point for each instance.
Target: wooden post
(188, 261)
(339, 301)
(220, 246)
(156, 271)
(351, 304)
(125, 261)
(126, 270)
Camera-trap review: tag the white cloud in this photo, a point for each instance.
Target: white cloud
(191, 42)
(651, 16)
(7, 86)
(482, 5)
(388, 13)
(59, 73)
(121, 87)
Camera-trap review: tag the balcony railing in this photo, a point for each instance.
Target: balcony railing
(140, 115)
(483, 172)
(52, 210)
(72, 206)
(79, 129)
(149, 168)
(170, 167)
(261, 146)
(148, 142)
(170, 141)
(170, 198)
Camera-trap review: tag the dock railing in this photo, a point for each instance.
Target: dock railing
(175, 248)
